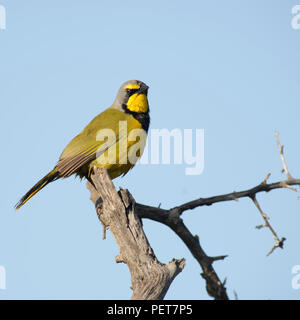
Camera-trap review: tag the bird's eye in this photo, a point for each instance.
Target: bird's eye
(131, 91)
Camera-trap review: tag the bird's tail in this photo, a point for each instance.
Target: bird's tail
(51, 176)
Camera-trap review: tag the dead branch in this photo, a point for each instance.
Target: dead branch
(150, 278)
(118, 207)
(262, 187)
(278, 243)
(280, 148)
(171, 218)
(214, 286)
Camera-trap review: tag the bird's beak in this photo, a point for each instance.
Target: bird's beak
(143, 89)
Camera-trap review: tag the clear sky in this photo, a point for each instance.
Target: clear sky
(228, 67)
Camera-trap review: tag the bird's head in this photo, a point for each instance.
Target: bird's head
(132, 97)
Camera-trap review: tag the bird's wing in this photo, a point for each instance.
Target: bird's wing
(85, 147)
(67, 165)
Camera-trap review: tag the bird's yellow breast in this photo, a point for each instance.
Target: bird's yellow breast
(138, 103)
(124, 148)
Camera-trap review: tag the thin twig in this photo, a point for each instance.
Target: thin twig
(266, 178)
(171, 218)
(278, 243)
(262, 187)
(280, 148)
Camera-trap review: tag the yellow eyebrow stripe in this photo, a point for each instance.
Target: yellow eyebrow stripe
(132, 86)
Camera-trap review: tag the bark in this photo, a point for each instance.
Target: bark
(150, 278)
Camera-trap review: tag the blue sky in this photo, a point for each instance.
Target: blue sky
(230, 68)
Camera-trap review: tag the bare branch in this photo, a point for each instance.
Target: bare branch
(171, 218)
(150, 278)
(280, 148)
(285, 185)
(278, 243)
(177, 225)
(266, 178)
(263, 187)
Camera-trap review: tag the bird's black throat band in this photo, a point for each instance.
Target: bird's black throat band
(142, 117)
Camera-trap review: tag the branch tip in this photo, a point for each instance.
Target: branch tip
(280, 148)
(278, 244)
(266, 179)
(213, 259)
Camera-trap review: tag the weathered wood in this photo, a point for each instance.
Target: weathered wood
(172, 218)
(150, 278)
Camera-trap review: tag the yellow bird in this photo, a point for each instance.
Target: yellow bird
(114, 139)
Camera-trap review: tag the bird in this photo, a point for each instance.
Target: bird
(104, 142)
